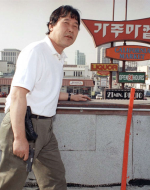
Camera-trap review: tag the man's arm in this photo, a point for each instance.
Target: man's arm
(18, 109)
(77, 97)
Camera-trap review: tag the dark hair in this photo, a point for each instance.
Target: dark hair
(63, 11)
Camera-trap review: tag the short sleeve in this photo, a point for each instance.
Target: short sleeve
(26, 69)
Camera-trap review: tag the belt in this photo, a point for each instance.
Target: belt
(39, 117)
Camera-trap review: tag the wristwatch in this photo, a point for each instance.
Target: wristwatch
(69, 96)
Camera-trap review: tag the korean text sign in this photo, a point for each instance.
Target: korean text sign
(110, 31)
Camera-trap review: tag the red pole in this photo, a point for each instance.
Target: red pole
(126, 141)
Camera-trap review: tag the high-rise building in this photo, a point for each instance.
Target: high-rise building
(100, 55)
(79, 58)
(104, 59)
(10, 55)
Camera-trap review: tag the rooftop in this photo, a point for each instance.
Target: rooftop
(11, 50)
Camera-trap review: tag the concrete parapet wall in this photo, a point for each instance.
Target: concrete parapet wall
(91, 147)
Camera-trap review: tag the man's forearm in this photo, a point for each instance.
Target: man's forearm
(63, 96)
(17, 113)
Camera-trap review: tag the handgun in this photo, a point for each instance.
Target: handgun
(30, 159)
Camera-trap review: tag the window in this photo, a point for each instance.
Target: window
(64, 73)
(74, 73)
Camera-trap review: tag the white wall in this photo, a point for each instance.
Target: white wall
(3, 66)
(92, 146)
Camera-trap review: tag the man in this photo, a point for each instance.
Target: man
(36, 83)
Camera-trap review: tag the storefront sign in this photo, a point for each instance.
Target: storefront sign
(76, 83)
(104, 67)
(123, 94)
(103, 73)
(110, 31)
(129, 53)
(131, 77)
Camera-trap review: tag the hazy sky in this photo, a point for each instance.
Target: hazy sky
(24, 21)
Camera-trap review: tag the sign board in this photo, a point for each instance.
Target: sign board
(129, 53)
(76, 83)
(123, 94)
(131, 77)
(110, 31)
(103, 82)
(104, 67)
(103, 73)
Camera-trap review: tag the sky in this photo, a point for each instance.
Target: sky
(24, 21)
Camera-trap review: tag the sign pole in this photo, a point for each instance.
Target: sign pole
(126, 141)
(111, 60)
(123, 68)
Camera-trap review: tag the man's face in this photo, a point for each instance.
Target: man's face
(63, 33)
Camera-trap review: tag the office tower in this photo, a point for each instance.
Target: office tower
(100, 54)
(104, 59)
(79, 58)
(10, 55)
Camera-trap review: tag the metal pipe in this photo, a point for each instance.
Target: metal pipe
(100, 109)
(111, 60)
(124, 62)
(113, 10)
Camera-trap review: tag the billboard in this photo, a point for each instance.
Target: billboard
(128, 53)
(104, 67)
(131, 77)
(123, 94)
(110, 31)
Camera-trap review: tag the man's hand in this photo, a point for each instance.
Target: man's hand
(21, 148)
(76, 97)
(79, 97)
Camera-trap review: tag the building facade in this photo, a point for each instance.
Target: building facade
(79, 58)
(77, 79)
(145, 69)
(7, 67)
(10, 55)
(77, 71)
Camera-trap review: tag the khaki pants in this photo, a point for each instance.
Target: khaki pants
(47, 165)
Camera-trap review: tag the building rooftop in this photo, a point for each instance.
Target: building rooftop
(8, 62)
(3, 61)
(10, 50)
(69, 65)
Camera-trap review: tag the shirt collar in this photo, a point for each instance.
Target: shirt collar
(54, 52)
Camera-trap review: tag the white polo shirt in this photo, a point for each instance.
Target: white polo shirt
(40, 70)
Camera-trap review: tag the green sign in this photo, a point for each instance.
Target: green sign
(131, 77)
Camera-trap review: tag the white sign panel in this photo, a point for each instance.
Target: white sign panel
(76, 83)
(103, 82)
